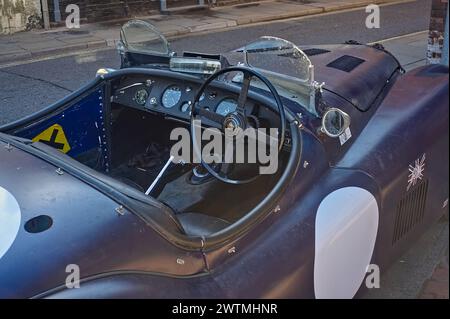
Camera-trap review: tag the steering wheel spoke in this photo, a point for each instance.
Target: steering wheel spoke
(243, 95)
(235, 122)
(212, 116)
(227, 157)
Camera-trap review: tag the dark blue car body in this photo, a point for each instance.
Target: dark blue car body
(126, 247)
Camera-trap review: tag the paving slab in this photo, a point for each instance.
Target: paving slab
(410, 50)
(44, 45)
(10, 49)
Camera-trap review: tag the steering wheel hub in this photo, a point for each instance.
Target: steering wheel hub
(233, 124)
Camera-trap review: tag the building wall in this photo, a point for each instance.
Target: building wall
(436, 39)
(102, 10)
(19, 15)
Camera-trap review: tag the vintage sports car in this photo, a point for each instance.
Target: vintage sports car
(88, 186)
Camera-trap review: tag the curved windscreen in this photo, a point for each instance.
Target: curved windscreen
(286, 66)
(279, 56)
(142, 37)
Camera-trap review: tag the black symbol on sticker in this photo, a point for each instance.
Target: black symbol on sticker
(52, 142)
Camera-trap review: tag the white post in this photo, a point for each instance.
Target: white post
(163, 5)
(57, 11)
(45, 15)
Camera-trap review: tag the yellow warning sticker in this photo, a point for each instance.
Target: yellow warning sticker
(54, 136)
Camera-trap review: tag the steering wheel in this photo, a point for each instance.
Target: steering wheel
(235, 121)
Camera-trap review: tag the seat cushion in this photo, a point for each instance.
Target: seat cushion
(196, 224)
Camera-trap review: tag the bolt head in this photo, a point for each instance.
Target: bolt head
(180, 261)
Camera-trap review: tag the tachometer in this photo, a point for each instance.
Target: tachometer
(226, 106)
(171, 97)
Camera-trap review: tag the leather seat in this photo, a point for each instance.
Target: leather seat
(197, 224)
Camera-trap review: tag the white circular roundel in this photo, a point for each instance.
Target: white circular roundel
(346, 231)
(9, 220)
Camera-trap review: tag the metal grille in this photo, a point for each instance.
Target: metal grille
(346, 63)
(410, 210)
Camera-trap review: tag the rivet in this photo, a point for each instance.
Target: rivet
(8, 147)
(232, 250)
(59, 171)
(305, 164)
(180, 261)
(277, 209)
(120, 210)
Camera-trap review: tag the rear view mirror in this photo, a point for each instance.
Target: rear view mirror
(335, 122)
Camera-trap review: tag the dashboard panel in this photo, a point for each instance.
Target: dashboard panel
(174, 97)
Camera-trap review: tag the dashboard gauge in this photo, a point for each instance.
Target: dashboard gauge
(153, 101)
(171, 97)
(212, 95)
(226, 106)
(141, 96)
(186, 107)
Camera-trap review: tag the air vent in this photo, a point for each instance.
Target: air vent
(346, 63)
(38, 224)
(315, 51)
(410, 211)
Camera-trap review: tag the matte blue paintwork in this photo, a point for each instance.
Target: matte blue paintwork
(120, 256)
(86, 231)
(82, 123)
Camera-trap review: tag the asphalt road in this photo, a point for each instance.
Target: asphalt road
(29, 87)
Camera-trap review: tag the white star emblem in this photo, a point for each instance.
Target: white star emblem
(416, 171)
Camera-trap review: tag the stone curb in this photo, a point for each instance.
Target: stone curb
(31, 54)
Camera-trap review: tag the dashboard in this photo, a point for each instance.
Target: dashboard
(173, 98)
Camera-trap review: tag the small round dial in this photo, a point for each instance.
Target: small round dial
(141, 96)
(186, 107)
(171, 97)
(226, 106)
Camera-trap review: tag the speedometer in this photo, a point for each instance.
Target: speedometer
(171, 97)
(226, 106)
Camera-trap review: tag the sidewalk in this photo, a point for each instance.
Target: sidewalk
(41, 43)
(436, 287)
(410, 49)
